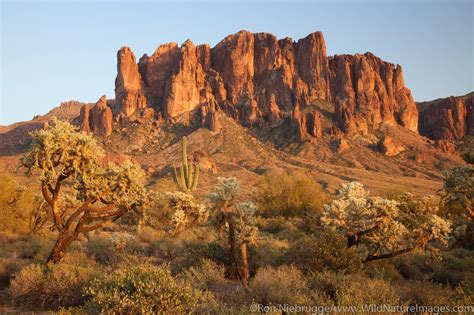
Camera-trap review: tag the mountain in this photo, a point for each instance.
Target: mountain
(450, 118)
(15, 137)
(255, 104)
(260, 80)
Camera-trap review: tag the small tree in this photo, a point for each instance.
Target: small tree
(79, 192)
(236, 219)
(384, 228)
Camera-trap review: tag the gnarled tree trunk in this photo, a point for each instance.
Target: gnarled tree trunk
(62, 243)
(245, 266)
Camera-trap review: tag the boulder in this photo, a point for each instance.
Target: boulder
(389, 147)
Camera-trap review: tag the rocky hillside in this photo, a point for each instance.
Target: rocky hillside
(450, 118)
(343, 117)
(15, 137)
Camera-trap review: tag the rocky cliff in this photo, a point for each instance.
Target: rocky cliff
(259, 80)
(96, 118)
(449, 118)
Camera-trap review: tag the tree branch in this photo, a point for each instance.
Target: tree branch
(47, 197)
(354, 239)
(389, 255)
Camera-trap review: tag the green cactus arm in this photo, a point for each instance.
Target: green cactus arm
(182, 182)
(185, 151)
(189, 182)
(196, 177)
(185, 173)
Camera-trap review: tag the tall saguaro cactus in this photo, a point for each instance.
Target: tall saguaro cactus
(188, 172)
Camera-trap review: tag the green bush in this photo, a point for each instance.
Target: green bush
(142, 288)
(325, 250)
(53, 286)
(290, 195)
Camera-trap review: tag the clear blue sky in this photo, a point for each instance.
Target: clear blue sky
(52, 51)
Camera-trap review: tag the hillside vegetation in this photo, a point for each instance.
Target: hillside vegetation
(89, 231)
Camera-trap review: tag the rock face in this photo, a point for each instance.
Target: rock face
(449, 118)
(389, 147)
(212, 121)
(128, 86)
(259, 80)
(368, 91)
(97, 118)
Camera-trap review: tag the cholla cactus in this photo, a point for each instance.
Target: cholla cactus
(120, 240)
(385, 228)
(226, 190)
(188, 172)
(236, 219)
(459, 190)
(79, 192)
(245, 217)
(187, 210)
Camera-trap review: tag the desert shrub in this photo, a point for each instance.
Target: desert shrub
(148, 234)
(426, 293)
(415, 266)
(55, 285)
(109, 249)
(322, 251)
(216, 294)
(269, 252)
(28, 247)
(290, 195)
(8, 267)
(281, 285)
(353, 289)
(454, 267)
(383, 269)
(16, 205)
(143, 288)
(206, 276)
(283, 228)
(101, 249)
(193, 252)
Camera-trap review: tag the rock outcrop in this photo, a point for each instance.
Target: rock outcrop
(389, 147)
(368, 92)
(128, 84)
(449, 118)
(212, 122)
(259, 80)
(97, 118)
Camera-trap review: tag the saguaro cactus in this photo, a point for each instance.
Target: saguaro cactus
(188, 172)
